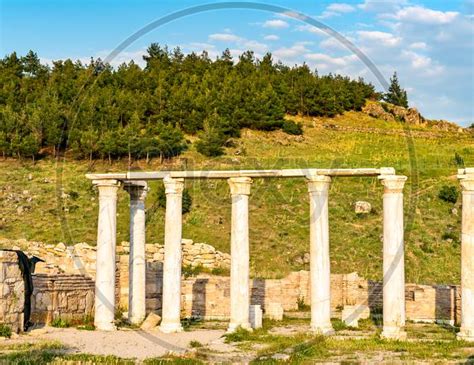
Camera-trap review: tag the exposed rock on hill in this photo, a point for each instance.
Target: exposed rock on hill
(391, 113)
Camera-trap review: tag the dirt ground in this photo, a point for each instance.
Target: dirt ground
(123, 343)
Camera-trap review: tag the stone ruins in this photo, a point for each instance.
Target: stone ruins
(98, 280)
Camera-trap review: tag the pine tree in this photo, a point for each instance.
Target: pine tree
(396, 95)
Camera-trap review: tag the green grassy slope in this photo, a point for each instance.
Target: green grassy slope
(278, 208)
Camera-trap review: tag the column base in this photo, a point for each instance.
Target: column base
(466, 334)
(233, 326)
(393, 333)
(171, 327)
(136, 320)
(105, 326)
(326, 330)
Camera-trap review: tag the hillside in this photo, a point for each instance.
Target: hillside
(53, 202)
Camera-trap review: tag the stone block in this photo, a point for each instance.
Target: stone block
(151, 321)
(352, 313)
(274, 311)
(255, 314)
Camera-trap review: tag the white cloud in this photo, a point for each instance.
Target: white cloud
(271, 37)
(276, 23)
(381, 6)
(224, 37)
(381, 38)
(422, 63)
(421, 15)
(324, 59)
(255, 46)
(419, 45)
(290, 53)
(340, 8)
(331, 43)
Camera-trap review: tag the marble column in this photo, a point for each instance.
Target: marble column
(105, 261)
(393, 258)
(320, 271)
(240, 256)
(171, 303)
(137, 259)
(467, 258)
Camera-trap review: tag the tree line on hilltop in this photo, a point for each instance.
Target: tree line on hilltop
(96, 111)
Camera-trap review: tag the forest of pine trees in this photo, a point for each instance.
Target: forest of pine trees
(95, 111)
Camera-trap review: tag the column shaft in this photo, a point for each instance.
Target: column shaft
(467, 259)
(171, 303)
(320, 271)
(105, 262)
(240, 256)
(137, 259)
(393, 258)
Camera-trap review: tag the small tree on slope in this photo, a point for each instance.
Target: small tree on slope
(396, 95)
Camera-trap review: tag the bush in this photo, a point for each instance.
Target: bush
(60, 323)
(449, 194)
(293, 128)
(458, 160)
(189, 271)
(239, 335)
(5, 331)
(195, 344)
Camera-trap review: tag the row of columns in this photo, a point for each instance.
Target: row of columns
(318, 188)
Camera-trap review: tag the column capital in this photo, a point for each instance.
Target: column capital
(318, 183)
(239, 185)
(467, 182)
(137, 189)
(107, 187)
(173, 186)
(393, 183)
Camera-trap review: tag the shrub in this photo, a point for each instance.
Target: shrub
(5, 331)
(291, 127)
(195, 344)
(239, 335)
(60, 323)
(302, 306)
(450, 234)
(188, 271)
(458, 160)
(449, 194)
(338, 324)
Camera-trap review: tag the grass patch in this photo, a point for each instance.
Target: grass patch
(5, 331)
(195, 344)
(60, 323)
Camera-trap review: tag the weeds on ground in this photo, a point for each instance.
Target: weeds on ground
(60, 323)
(5, 331)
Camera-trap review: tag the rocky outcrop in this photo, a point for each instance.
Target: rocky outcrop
(412, 116)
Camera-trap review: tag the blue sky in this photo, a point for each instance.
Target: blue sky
(429, 43)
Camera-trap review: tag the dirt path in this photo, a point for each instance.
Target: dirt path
(123, 343)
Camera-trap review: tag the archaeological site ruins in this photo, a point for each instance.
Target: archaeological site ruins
(147, 277)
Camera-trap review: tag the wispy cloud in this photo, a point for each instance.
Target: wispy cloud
(422, 15)
(276, 23)
(271, 37)
(379, 38)
(224, 37)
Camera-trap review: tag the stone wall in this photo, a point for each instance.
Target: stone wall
(65, 296)
(12, 291)
(80, 258)
(64, 286)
